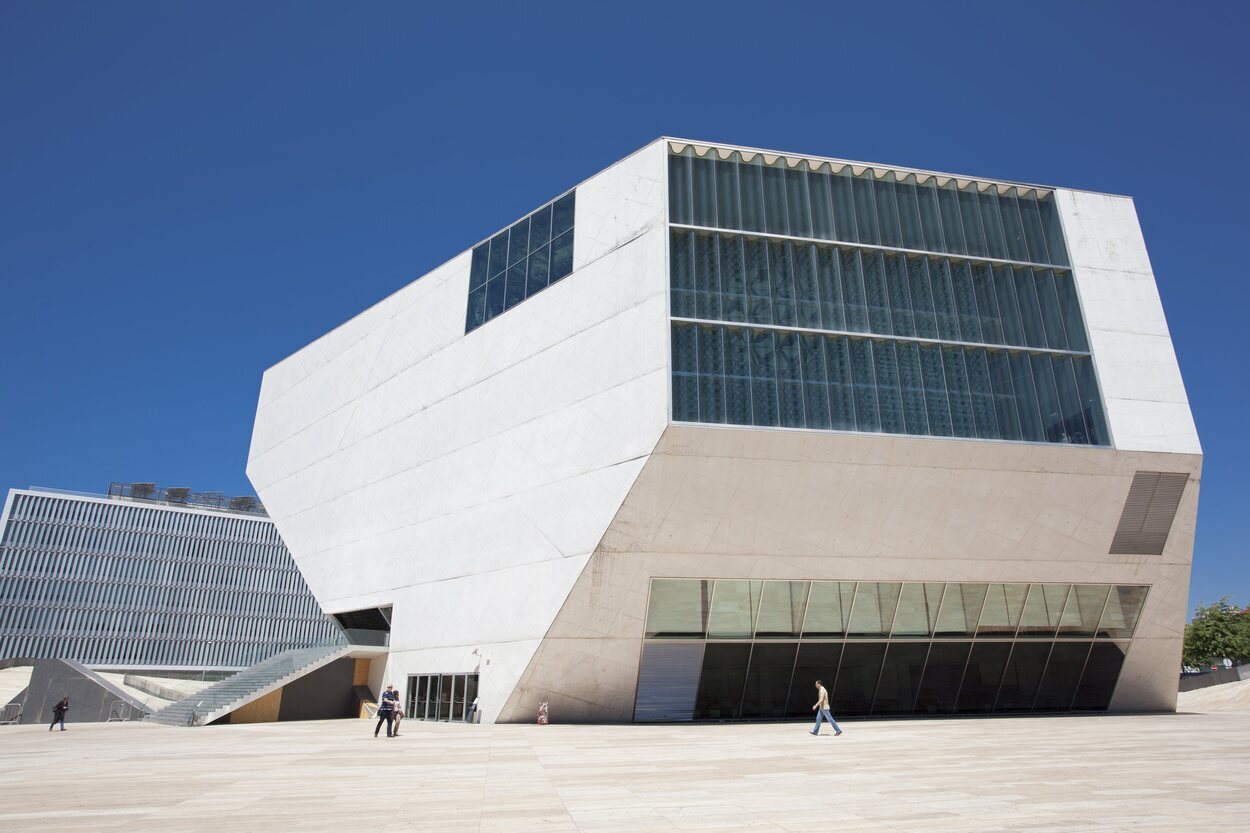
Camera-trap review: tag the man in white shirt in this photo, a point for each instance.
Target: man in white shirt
(822, 711)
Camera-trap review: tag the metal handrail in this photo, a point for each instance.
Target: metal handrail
(5, 719)
(121, 712)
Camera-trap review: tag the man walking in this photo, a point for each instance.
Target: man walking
(58, 713)
(822, 711)
(386, 710)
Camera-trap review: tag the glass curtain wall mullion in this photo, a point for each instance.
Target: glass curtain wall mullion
(776, 214)
(703, 190)
(728, 205)
(844, 205)
(952, 223)
(886, 198)
(746, 679)
(798, 200)
(974, 628)
(1034, 233)
(889, 632)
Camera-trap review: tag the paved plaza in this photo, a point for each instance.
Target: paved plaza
(1187, 772)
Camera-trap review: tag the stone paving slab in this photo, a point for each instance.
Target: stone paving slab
(1098, 774)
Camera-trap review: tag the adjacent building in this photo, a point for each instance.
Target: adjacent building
(150, 579)
(720, 421)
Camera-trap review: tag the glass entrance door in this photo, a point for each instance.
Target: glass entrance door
(457, 704)
(421, 698)
(444, 698)
(440, 696)
(470, 691)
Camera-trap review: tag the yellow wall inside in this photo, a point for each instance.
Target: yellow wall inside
(264, 710)
(360, 677)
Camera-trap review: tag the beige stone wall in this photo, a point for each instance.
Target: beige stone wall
(777, 504)
(360, 680)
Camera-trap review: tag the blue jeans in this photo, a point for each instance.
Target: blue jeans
(823, 714)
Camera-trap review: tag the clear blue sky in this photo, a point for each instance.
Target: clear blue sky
(190, 192)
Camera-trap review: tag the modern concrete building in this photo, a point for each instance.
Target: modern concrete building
(719, 422)
(150, 579)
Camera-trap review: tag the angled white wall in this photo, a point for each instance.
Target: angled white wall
(1147, 408)
(465, 479)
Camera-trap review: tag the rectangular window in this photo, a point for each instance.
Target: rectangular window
(537, 251)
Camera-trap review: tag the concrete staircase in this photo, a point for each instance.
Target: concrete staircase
(221, 698)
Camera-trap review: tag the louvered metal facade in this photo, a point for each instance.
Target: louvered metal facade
(1148, 513)
(134, 584)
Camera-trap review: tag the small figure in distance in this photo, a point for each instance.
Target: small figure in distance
(822, 711)
(386, 710)
(468, 718)
(58, 713)
(399, 715)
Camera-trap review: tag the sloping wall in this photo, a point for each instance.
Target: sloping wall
(742, 503)
(465, 480)
(91, 697)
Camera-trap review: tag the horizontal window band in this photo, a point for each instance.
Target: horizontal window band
(1007, 348)
(879, 640)
(846, 244)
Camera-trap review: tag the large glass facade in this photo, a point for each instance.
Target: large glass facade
(893, 648)
(935, 309)
(519, 261)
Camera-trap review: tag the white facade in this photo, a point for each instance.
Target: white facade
(512, 491)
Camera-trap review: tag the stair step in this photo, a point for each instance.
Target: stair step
(270, 673)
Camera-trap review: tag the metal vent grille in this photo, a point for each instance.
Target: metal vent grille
(1148, 513)
(668, 680)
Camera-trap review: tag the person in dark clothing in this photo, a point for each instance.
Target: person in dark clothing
(386, 710)
(58, 713)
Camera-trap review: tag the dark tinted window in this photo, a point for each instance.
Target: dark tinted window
(768, 680)
(857, 678)
(942, 675)
(982, 676)
(721, 683)
(515, 264)
(900, 678)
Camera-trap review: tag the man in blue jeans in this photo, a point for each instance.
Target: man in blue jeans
(386, 710)
(822, 711)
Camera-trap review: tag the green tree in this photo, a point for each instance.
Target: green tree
(1216, 631)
